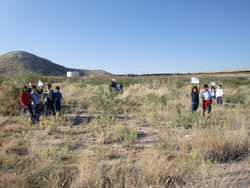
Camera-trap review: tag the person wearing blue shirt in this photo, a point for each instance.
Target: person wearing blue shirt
(195, 96)
(58, 97)
(121, 87)
(35, 103)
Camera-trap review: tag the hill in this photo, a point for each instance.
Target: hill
(17, 61)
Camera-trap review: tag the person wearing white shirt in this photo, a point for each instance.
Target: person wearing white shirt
(213, 92)
(206, 94)
(206, 97)
(219, 95)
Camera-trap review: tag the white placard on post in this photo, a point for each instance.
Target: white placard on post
(40, 84)
(195, 80)
(212, 83)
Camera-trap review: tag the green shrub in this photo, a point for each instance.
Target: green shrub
(236, 82)
(9, 99)
(185, 120)
(106, 101)
(130, 136)
(153, 99)
(25, 77)
(236, 98)
(180, 83)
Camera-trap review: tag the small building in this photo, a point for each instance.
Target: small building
(73, 74)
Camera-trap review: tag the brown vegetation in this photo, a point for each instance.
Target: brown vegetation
(143, 137)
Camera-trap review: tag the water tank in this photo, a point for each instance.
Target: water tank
(73, 74)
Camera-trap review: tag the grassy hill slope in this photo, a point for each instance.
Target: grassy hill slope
(17, 61)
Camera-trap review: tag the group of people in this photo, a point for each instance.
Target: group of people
(207, 96)
(30, 100)
(116, 86)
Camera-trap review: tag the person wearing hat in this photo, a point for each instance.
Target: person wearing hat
(113, 84)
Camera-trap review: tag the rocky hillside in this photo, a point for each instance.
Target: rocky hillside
(14, 62)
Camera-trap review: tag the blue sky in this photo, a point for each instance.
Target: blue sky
(130, 36)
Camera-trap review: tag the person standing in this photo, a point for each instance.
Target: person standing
(213, 92)
(58, 97)
(35, 103)
(195, 96)
(121, 87)
(113, 84)
(49, 100)
(206, 100)
(25, 100)
(219, 95)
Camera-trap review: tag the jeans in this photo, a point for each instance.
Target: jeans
(57, 106)
(194, 106)
(29, 109)
(51, 107)
(36, 112)
(219, 100)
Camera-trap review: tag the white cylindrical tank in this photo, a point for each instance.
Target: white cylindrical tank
(73, 74)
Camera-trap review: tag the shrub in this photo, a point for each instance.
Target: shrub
(9, 99)
(180, 83)
(25, 77)
(107, 101)
(153, 99)
(221, 147)
(239, 97)
(185, 120)
(236, 82)
(109, 130)
(50, 176)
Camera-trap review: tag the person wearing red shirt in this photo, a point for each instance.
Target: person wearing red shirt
(25, 99)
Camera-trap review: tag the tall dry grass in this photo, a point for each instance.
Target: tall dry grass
(179, 148)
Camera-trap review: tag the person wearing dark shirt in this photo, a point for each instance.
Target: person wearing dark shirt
(195, 96)
(58, 97)
(113, 84)
(30, 89)
(25, 100)
(49, 100)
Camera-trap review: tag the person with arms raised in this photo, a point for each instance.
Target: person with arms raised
(30, 89)
(195, 96)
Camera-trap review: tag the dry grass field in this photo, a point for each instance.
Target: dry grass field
(145, 136)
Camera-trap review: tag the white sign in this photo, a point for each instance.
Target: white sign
(195, 80)
(40, 84)
(212, 83)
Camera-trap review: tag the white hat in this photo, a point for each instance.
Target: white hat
(113, 79)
